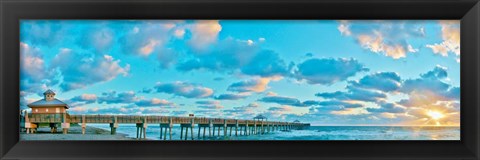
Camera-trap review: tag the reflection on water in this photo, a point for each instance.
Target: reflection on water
(319, 133)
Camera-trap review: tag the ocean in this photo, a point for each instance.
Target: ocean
(315, 133)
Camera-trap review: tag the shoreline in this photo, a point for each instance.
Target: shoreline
(75, 133)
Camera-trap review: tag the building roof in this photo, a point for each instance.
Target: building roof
(296, 121)
(49, 92)
(44, 103)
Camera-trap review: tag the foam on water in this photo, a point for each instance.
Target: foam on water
(314, 133)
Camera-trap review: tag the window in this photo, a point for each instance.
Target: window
(57, 110)
(36, 110)
(46, 110)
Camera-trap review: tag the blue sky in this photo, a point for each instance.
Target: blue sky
(320, 71)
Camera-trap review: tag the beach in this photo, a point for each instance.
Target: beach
(74, 133)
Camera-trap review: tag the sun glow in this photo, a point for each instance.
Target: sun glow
(435, 115)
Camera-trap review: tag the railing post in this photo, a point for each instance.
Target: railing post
(262, 130)
(225, 127)
(210, 125)
(84, 124)
(65, 125)
(145, 126)
(193, 125)
(254, 127)
(113, 125)
(236, 127)
(28, 125)
(170, 125)
(245, 131)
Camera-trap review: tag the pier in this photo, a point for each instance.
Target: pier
(188, 125)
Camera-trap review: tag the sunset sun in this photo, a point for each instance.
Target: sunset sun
(435, 115)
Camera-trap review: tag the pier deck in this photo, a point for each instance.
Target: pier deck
(239, 126)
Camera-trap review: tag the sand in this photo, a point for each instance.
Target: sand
(74, 133)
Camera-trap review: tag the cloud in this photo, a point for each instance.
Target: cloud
(355, 94)
(391, 38)
(167, 57)
(128, 110)
(146, 90)
(35, 77)
(218, 79)
(271, 93)
(382, 81)
(179, 113)
(237, 56)
(350, 111)
(204, 32)
(24, 101)
(438, 72)
(98, 35)
(244, 112)
(43, 32)
(283, 101)
(153, 102)
(231, 96)
(333, 103)
(428, 93)
(253, 85)
(387, 107)
(113, 97)
(85, 98)
(450, 37)
(431, 86)
(278, 111)
(228, 55)
(184, 89)
(216, 106)
(332, 70)
(32, 63)
(80, 69)
(370, 88)
(266, 63)
(145, 37)
(297, 103)
(208, 102)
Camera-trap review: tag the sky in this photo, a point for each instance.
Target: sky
(323, 72)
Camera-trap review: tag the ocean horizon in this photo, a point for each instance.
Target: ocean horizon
(313, 133)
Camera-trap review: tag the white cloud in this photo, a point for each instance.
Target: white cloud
(32, 63)
(204, 32)
(35, 77)
(450, 37)
(79, 70)
(179, 33)
(253, 85)
(184, 89)
(387, 37)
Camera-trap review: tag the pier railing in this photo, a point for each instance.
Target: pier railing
(244, 127)
(58, 118)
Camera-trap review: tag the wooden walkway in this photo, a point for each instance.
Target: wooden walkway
(238, 126)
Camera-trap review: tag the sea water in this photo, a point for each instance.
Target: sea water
(311, 133)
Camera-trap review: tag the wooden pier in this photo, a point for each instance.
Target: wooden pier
(213, 126)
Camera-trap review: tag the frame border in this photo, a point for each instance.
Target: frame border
(11, 11)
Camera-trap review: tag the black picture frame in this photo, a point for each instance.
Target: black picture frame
(12, 11)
